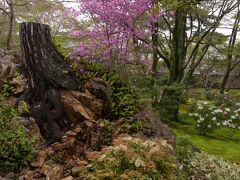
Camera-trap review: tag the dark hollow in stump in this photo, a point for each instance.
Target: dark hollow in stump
(47, 72)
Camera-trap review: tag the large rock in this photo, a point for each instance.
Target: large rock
(8, 66)
(18, 85)
(101, 90)
(153, 127)
(80, 106)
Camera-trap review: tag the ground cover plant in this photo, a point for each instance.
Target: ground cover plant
(133, 158)
(15, 147)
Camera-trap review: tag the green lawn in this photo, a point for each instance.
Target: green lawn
(218, 143)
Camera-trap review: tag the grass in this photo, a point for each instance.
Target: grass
(217, 143)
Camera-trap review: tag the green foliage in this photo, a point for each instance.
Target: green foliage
(125, 101)
(185, 150)
(57, 158)
(169, 104)
(15, 147)
(86, 70)
(23, 109)
(59, 41)
(132, 126)
(7, 89)
(210, 96)
(107, 133)
(185, 154)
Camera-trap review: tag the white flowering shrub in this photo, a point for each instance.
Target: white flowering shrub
(195, 165)
(223, 112)
(204, 166)
(132, 158)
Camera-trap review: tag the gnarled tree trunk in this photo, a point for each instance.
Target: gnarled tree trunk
(47, 72)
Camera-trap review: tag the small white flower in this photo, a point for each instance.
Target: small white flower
(145, 144)
(195, 114)
(205, 102)
(154, 149)
(214, 118)
(209, 126)
(198, 125)
(201, 119)
(139, 163)
(218, 111)
(122, 147)
(164, 143)
(218, 124)
(224, 123)
(126, 139)
(227, 109)
(200, 107)
(110, 148)
(102, 158)
(233, 117)
(190, 114)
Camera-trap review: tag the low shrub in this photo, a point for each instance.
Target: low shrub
(106, 137)
(15, 147)
(185, 150)
(222, 112)
(185, 154)
(132, 158)
(169, 104)
(7, 89)
(125, 101)
(205, 166)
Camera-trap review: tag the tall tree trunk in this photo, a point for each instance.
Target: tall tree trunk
(178, 46)
(10, 29)
(172, 94)
(47, 72)
(154, 49)
(224, 81)
(154, 61)
(231, 46)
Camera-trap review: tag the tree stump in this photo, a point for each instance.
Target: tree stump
(47, 72)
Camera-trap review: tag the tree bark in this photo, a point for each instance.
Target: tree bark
(171, 96)
(154, 61)
(231, 47)
(47, 72)
(10, 29)
(178, 46)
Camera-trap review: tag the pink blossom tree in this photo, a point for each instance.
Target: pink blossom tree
(117, 27)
